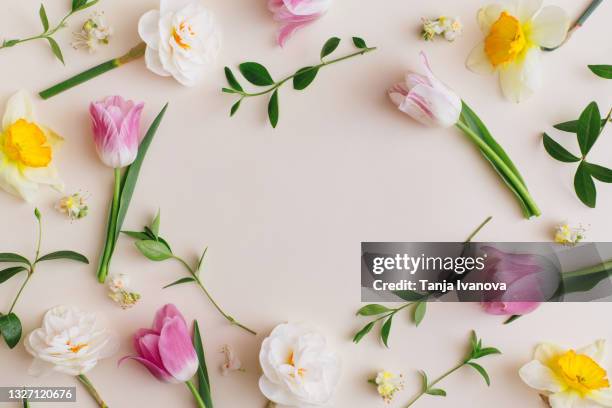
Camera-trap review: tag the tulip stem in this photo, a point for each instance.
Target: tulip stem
(92, 390)
(111, 231)
(196, 394)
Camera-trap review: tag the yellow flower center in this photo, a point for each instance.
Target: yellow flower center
(291, 362)
(178, 33)
(75, 348)
(25, 143)
(581, 373)
(506, 40)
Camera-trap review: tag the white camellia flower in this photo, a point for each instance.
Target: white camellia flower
(182, 39)
(299, 370)
(68, 342)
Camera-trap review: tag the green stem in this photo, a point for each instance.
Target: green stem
(605, 266)
(196, 394)
(477, 230)
(215, 304)
(92, 390)
(46, 34)
(23, 285)
(436, 381)
(91, 73)
(511, 176)
(110, 237)
(315, 67)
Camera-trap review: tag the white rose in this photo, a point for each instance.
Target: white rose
(298, 368)
(182, 39)
(69, 342)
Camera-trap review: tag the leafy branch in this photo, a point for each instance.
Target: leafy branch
(587, 128)
(155, 248)
(48, 31)
(259, 75)
(10, 325)
(476, 351)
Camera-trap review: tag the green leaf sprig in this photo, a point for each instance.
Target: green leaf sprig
(48, 31)
(155, 248)
(416, 303)
(476, 352)
(259, 75)
(603, 71)
(587, 128)
(10, 325)
(202, 392)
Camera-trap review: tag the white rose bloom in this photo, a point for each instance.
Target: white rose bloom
(68, 342)
(182, 39)
(298, 368)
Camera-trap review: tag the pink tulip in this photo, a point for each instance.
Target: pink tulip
(426, 99)
(166, 350)
(295, 14)
(116, 128)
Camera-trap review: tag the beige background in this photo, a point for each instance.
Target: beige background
(283, 211)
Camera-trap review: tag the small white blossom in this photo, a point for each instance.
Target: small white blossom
(567, 235)
(232, 362)
(94, 32)
(74, 206)
(120, 292)
(448, 27)
(387, 384)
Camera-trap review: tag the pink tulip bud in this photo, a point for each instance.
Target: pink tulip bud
(426, 99)
(166, 350)
(295, 14)
(116, 129)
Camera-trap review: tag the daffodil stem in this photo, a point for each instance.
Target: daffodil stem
(604, 266)
(135, 53)
(196, 278)
(92, 390)
(196, 394)
(435, 382)
(111, 230)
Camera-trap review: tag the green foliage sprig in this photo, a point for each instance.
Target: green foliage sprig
(259, 75)
(587, 128)
(10, 325)
(155, 248)
(603, 71)
(48, 31)
(477, 351)
(203, 388)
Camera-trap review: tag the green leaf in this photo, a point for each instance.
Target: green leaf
(512, 318)
(235, 107)
(74, 256)
(604, 71)
(419, 312)
(228, 90)
(424, 381)
(8, 273)
(10, 257)
(201, 261)
(485, 352)
(359, 43)
(153, 250)
(361, 333)
(372, 310)
(409, 295)
(572, 126)
(9, 43)
(256, 73)
(436, 392)
(180, 281)
(304, 77)
(76, 4)
(482, 371)
(43, 18)
(589, 127)
(386, 330)
(601, 173)
(155, 225)
(557, 151)
(473, 341)
(584, 186)
(203, 380)
(232, 81)
(136, 235)
(273, 109)
(330, 46)
(10, 327)
(57, 51)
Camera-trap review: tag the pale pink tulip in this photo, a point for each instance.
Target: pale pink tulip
(295, 14)
(166, 350)
(116, 129)
(426, 99)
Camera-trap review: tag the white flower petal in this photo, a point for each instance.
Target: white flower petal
(44, 175)
(526, 9)
(550, 26)
(597, 351)
(566, 399)
(602, 397)
(19, 106)
(40, 368)
(148, 29)
(538, 376)
(276, 393)
(478, 61)
(153, 62)
(13, 182)
(169, 6)
(489, 15)
(546, 352)
(519, 80)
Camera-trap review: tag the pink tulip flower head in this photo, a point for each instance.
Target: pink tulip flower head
(295, 14)
(426, 99)
(166, 350)
(116, 129)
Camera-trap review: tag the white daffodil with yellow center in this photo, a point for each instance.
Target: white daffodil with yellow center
(515, 31)
(26, 150)
(570, 378)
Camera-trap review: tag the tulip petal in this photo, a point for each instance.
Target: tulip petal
(521, 79)
(306, 7)
(167, 312)
(19, 106)
(478, 61)
(176, 350)
(538, 376)
(597, 351)
(433, 106)
(148, 29)
(549, 28)
(158, 372)
(147, 347)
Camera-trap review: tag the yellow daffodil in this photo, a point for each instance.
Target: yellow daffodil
(570, 378)
(26, 150)
(515, 31)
